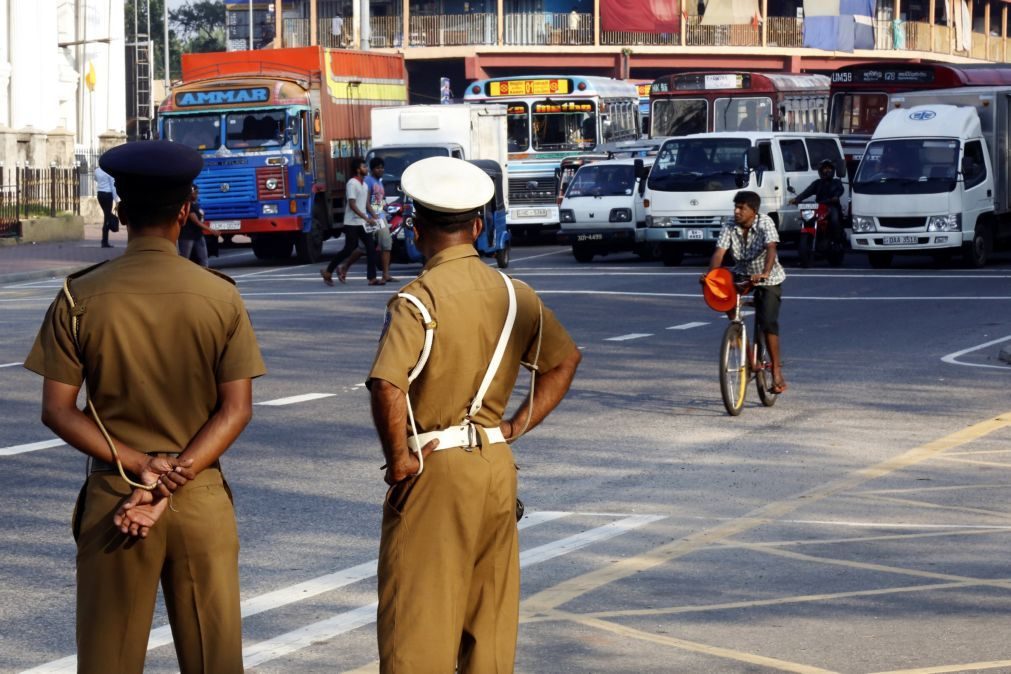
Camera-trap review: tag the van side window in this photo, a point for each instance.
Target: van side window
(794, 155)
(975, 165)
(826, 148)
(765, 156)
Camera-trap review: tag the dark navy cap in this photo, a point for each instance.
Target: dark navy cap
(158, 171)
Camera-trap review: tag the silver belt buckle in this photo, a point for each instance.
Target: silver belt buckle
(471, 437)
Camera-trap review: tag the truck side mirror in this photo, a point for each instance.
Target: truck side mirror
(639, 168)
(753, 162)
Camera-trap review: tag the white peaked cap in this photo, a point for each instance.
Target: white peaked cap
(447, 185)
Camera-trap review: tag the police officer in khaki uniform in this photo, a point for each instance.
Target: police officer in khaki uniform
(449, 552)
(168, 355)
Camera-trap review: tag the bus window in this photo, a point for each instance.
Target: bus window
(794, 154)
(858, 113)
(679, 117)
(743, 114)
(518, 130)
(565, 126)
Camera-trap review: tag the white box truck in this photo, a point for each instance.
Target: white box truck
(935, 178)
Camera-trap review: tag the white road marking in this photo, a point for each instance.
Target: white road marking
(630, 336)
(534, 257)
(162, 636)
(10, 365)
(952, 358)
(296, 399)
(31, 447)
(324, 630)
(271, 271)
(687, 326)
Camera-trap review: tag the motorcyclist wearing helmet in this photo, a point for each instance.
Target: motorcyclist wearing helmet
(827, 189)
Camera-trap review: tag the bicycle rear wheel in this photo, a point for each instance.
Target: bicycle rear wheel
(763, 370)
(733, 369)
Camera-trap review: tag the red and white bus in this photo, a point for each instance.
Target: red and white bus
(697, 102)
(863, 93)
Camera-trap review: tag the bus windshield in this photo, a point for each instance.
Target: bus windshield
(200, 132)
(678, 117)
(743, 114)
(908, 166)
(700, 165)
(857, 113)
(564, 126)
(252, 130)
(518, 129)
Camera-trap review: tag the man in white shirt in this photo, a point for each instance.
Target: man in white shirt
(359, 224)
(107, 196)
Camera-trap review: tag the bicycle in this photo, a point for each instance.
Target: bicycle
(740, 362)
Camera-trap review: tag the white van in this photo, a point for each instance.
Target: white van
(690, 190)
(602, 211)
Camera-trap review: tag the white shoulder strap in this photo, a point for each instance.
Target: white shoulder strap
(500, 348)
(426, 350)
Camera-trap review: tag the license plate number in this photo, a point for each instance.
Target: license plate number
(695, 234)
(225, 225)
(589, 237)
(532, 213)
(899, 240)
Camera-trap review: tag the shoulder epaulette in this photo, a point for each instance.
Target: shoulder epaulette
(221, 275)
(81, 272)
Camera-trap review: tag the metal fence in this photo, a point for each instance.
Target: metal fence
(36, 192)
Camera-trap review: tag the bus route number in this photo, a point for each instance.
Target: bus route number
(842, 77)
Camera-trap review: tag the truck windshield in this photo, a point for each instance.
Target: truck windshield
(598, 180)
(397, 159)
(908, 166)
(700, 165)
(678, 117)
(857, 113)
(200, 132)
(564, 126)
(254, 129)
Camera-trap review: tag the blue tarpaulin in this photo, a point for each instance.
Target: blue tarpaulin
(838, 25)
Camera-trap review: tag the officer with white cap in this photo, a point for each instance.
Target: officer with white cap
(449, 551)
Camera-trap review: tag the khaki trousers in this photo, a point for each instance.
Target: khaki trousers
(193, 552)
(449, 580)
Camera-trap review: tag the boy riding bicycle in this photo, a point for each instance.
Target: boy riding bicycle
(752, 240)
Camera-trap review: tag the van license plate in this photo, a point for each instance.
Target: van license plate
(532, 213)
(695, 234)
(225, 225)
(589, 237)
(899, 240)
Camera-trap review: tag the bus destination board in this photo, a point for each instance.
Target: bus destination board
(884, 75)
(529, 87)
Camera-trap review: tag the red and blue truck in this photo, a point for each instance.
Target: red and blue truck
(277, 129)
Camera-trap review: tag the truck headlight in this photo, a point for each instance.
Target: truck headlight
(952, 222)
(271, 183)
(620, 215)
(270, 209)
(862, 223)
(566, 215)
(659, 221)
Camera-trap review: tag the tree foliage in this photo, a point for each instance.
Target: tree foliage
(197, 26)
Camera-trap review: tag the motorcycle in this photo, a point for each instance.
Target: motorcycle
(816, 239)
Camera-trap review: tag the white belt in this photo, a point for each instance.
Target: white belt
(465, 435)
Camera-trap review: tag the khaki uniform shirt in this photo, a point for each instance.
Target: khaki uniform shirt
(468, 300)
(158, 334)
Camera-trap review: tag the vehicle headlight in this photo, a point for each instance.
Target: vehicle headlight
(620, 215)
(863, 223)
(392, 209)
(952, 222)
(659, 221)
(270, 209)
(807, 213)
(271, 183)
(566, 215)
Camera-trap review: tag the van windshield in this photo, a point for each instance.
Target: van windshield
(908, 166)
(397, 159)
(700, 165)
(602, 181)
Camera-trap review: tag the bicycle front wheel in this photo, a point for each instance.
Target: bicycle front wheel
(763, 370)
(733, 368)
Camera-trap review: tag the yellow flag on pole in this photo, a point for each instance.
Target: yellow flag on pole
(90, 78)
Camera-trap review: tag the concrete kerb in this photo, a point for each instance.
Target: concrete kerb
(41, 274)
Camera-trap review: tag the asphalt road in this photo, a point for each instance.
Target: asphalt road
(860, 525)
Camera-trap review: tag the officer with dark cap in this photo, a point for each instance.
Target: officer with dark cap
(167, 354)
(449, 551)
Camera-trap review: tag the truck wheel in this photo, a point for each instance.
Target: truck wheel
(976, 252)
(582, 254)
(309, 245)
(502, 256)
(272, 247)
(672, 257)
(880, 260)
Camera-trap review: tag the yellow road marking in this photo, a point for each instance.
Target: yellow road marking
(974, 462)
(982, 451)
(952, 668)
(934, 506)
(693, 646)
(957, 487)
(566, 591)
(867, 539)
